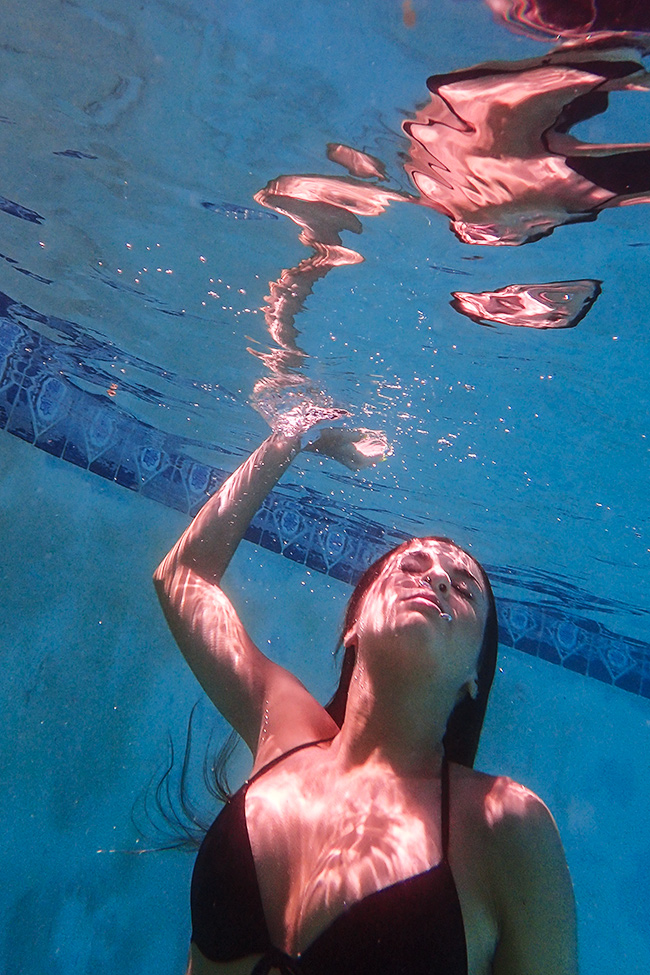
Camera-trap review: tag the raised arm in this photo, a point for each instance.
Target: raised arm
(267, 705)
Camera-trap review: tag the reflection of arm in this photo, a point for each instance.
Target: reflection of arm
(261, 700)
(537, 910)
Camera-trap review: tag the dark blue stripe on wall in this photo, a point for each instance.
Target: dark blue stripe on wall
(41, 406)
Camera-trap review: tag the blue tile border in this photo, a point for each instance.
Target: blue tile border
(42, 406)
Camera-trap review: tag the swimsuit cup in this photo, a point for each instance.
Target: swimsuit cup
(412, 927)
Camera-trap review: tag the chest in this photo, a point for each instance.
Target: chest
(320, 845)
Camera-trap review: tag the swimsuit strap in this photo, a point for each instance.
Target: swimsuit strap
(444, 807)
(279, 758)
(444, 787)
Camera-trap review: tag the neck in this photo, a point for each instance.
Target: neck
(394, 722)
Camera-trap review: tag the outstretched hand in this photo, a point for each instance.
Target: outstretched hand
(355, 449)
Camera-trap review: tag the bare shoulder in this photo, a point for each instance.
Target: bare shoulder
(510, 806)
(521, 824)
(501, 807)
(513, 827)
(525, 870)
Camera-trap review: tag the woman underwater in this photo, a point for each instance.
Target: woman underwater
(364, 841)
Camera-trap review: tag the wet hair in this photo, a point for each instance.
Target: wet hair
(465, 722)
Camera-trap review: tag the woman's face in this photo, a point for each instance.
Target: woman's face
(428, 606)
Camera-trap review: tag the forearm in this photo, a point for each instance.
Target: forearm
(209, 543)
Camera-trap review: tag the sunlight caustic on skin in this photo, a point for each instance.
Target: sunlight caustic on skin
(363, 832)
(418, 626)
(507, 798)
(440, 584)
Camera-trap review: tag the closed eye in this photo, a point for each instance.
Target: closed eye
(415, 562)
(463, 590)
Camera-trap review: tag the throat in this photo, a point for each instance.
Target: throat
(406, 749)
(400, 726)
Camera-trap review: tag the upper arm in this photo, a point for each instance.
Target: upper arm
(536, 907)
(268, 706)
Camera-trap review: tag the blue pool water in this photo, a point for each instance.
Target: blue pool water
(159, 164)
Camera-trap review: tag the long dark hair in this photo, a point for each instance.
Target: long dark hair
(466, 720)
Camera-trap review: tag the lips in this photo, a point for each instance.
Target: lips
(424, 596)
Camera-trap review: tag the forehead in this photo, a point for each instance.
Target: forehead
(423, 554)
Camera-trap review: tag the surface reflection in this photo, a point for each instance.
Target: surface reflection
(357, 163)
(559, 304)
(492, 149)
(574, 20)
(322, 207)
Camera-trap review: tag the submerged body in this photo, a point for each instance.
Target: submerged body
(414, 924)
(346, 851)
(322, 844)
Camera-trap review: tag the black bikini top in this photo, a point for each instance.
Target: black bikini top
(412, 927)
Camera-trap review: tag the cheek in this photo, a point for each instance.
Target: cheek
(476, 644)
(476, 618)
(478, 628)
(374, 608)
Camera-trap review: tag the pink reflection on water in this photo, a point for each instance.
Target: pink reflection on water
(559, 304)
(345, 194)
(573, 20)
(493, 152)
(322, 207)
(356, 162)
(492, 149)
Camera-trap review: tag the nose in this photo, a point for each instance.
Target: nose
(437, 578)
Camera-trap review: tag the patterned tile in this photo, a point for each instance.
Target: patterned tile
(41, 406)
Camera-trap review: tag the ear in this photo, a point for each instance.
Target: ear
(470, 688)
(350, 636)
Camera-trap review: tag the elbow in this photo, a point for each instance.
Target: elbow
(164, 574)
(158, 581)
(172, 580)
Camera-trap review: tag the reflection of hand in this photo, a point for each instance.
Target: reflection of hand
(355, 449)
